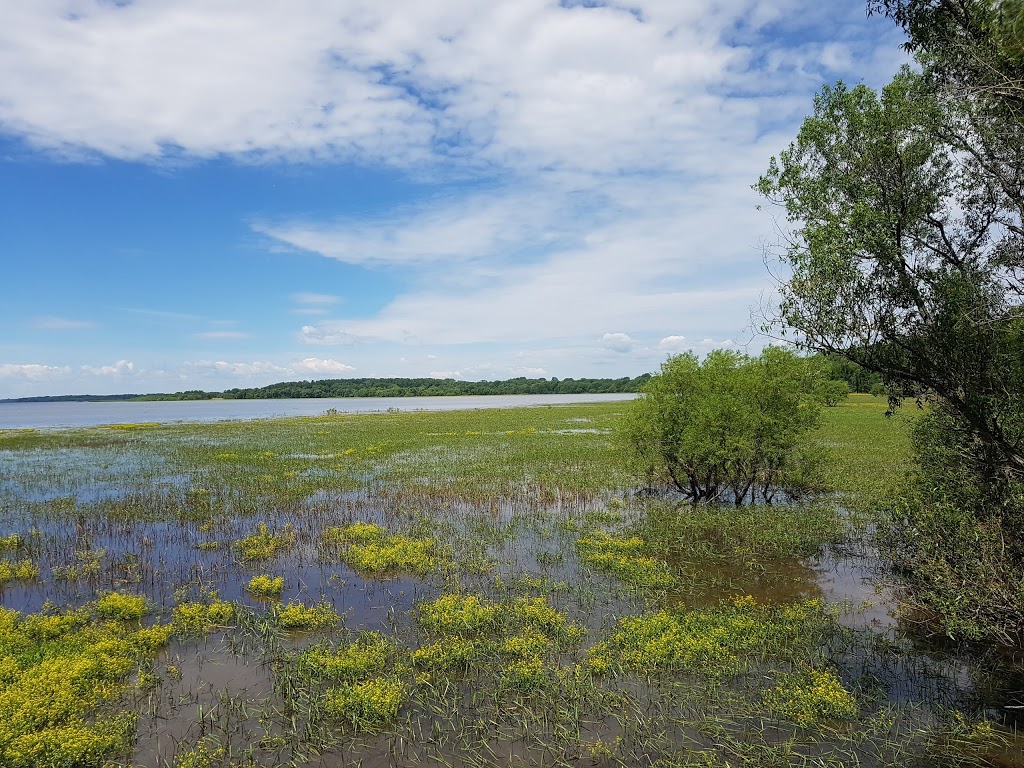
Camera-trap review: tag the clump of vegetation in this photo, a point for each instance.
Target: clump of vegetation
(730, 428)
(714, 642)
(524, 634)
(367, 656)
(297, 615)
(448, 653)
(60, 675)
(625, 559)
(196, 618)
(11, 543)
(811, 697)
(953, 536)
(262, 544)
(88, 565)
(266, 586)
(122, 607)
(368, 549)
(22, 570)
(200, 757)
(367, 705)
(457, 615)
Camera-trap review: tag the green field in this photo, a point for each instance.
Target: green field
(464, 588)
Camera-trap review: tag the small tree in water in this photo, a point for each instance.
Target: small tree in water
(732, 427)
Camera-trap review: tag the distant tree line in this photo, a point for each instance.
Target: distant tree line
(413, 388)
(71, 398)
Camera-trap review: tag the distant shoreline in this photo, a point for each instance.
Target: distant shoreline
(387, 388)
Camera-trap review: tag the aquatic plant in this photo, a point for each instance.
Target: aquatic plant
(457, 614)
(811, 696)
(368, 705)
(714, 642)
(61, 674)
(262, 544)
(448, 653)
(368, 655)
(371, 551)
(266, 586)
(200, 757)
(297, 615)
(196, 618)
(122, 607)
(22, 570)
(623, 557)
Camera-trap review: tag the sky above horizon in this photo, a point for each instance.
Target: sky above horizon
(208, 194)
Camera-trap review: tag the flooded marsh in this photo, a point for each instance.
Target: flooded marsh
(469, 588)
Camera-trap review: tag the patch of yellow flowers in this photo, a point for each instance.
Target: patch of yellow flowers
(262, 544)
(810, 697)
(623, 558)
(370, 704)
(522, 634)
(197, 618)
(368, 655)
(369, 550)
(266, 586)
(22, 570)
(716, 641)
(297, 615)
(61, 675)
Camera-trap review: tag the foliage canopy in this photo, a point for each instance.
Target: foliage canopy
(732, 427)
(906, 257)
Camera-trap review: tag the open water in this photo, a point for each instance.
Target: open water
(50, 415)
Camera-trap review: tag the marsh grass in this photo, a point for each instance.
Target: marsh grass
(474, 588)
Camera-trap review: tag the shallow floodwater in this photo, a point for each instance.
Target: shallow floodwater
(164, 513)
(46, 415)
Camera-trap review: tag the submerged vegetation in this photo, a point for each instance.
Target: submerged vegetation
(475, 588)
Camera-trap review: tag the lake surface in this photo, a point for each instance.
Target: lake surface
(52, 415)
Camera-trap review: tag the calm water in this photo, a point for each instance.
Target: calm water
(45, 415)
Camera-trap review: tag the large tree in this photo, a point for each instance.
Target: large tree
(905, 253)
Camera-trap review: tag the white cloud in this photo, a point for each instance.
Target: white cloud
(518, 83)
(33, 371)
(674, 344)
(617, 342)
(326, 335)
(315, 298)
(120, 368)
(310, 366)
(315, 365)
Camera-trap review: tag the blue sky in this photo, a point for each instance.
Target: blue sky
(200, 194)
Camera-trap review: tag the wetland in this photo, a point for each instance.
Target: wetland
(461, 588)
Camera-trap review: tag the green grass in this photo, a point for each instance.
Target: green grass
(870, 451)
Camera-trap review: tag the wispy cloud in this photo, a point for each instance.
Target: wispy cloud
(317, 299)
(52, 323)
(532, 84)
(121, 368)
(33, 371)
(310, 366)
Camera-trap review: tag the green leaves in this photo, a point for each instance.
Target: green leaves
(731, 427)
